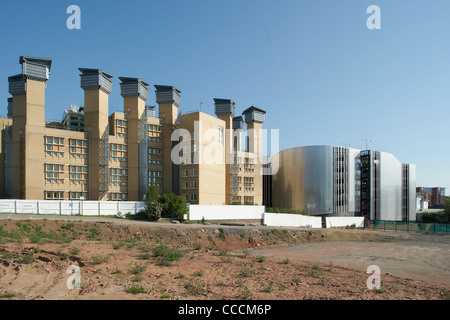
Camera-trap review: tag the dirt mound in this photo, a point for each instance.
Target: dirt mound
(125, 260)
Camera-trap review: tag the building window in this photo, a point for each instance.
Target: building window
(54, 173)
(118, 152)
(220, 135)
(78, 175)
(54, 195)
(193, 172)
(193, 184)
(193, 197)
(78, 149)
(117, 196)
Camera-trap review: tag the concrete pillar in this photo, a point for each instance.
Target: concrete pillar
(28, 129)
(97, 86)
(254, 118)
(224, 109)
(135, 93)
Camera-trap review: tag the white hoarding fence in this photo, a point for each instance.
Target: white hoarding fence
(332, 222)
(224, 212)
(291, 220)
(65, 207)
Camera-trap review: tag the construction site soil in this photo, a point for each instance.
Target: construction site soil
(121, 259)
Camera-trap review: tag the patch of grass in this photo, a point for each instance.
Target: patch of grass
(268, 288)
(143, 256)
(137, 269)
(27, 258)
(179, 276)
(195, 288)
(63, 256)
(74, 251)
(380, 290)
(199, 273)
(9, 236)
(7, 255)
(167, 255)
(94, 232)
(99, 259)
(246, 272)
(136, 290)
(224, 252)
(165, 296)
(116, 245)
(245, 293)
(286, 261)
(446, 294)
(260, 259)
(117, 271)
(137, 278)
(315, 271)
(7, 295)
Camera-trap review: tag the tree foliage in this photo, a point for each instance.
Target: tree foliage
(168, 205)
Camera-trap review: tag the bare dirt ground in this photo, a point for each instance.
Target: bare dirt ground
(118, 261)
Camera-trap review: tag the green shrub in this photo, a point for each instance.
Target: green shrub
(168, 205)
(136, 290)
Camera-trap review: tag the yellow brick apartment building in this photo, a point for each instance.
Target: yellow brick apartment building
(94, 155)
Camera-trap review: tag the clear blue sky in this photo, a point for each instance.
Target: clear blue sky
(322, 76)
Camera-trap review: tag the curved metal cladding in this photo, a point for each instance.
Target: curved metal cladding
(304, 180)
(390, 188)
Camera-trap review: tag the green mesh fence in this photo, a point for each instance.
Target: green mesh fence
(412, 226)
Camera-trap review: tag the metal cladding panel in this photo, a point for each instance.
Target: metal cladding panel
(412, 192)
(304, 180)
(133, 89)
(390, 186)
(143, 157)
(353, 192)
(36, 71)
(94, 79)
(238, 123)
(317, 166)
(168, 97)
(89, 82)
(224, 109)
(105, 84)
(10, 107)
(17, 85)
(254, 116)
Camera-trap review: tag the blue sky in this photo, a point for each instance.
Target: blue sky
(322, 76)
